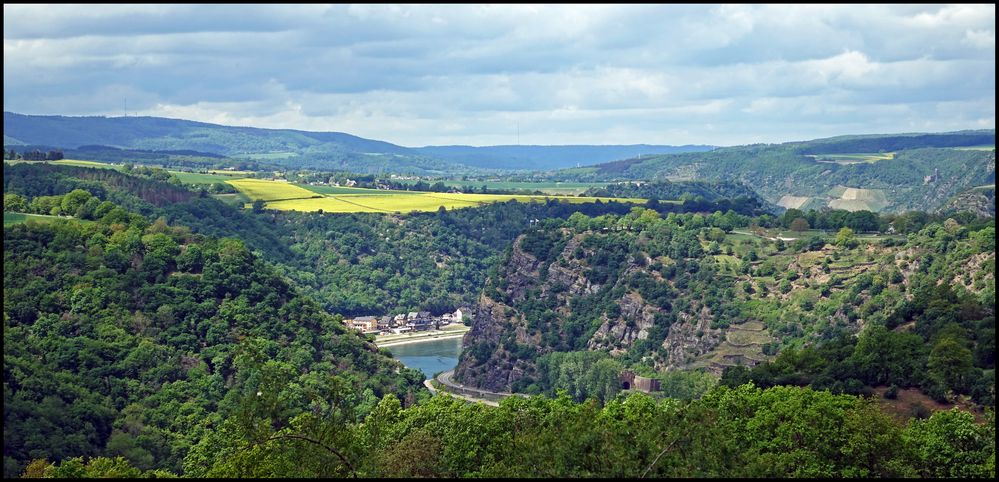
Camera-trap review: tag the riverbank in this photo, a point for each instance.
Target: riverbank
(450, 331)
(450, 387)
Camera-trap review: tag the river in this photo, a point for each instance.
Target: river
(430, 356)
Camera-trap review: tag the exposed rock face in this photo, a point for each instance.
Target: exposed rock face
(500, 329)
(485, 362)
(494, 372)
(690, 338)
(981, 202)
(634, 324)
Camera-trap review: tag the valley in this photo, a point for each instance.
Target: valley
(491, 241)
(609, 292)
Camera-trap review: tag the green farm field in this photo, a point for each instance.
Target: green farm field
(17, 218)
(68, 162)
(199, 178)
(184, 176)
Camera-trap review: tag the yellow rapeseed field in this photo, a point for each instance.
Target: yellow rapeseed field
(284, 196)
(270, 190)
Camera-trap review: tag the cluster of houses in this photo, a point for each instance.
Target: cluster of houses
(403, 322)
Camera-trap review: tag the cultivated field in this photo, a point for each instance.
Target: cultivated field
(559, 188)
(853, 199)
(199, 178)
(336, 190)
(410, 202)
(859, 158)
(292, 197)
(271, 190)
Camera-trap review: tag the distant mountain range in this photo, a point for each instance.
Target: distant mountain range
(294, 148)
(549, 157)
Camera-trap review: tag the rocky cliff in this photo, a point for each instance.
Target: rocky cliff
(535, 306)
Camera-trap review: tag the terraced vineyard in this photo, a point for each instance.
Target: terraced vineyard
(743, 345)
(285, 196)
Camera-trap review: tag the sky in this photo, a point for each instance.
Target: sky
(508, 74)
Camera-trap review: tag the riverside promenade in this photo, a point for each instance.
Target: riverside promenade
(450, 331)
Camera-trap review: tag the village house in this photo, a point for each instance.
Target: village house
(385, 323)
(421, 321)
(365, 324)
(404, 322)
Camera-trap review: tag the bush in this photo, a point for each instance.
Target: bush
(892, 392)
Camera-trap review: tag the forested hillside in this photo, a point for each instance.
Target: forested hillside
(149, 195)
(125, 337)
(691, 292)
(666, 190)
(886, 173)
(354, 264)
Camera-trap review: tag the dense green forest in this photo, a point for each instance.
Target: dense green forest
(125, 337)
(156, 331)
(743, 432)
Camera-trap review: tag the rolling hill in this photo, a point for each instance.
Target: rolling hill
(295, 148)
(895, 172)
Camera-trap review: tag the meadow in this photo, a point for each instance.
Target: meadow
(16, 218)
(200, 178)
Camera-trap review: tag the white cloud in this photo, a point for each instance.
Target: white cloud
(982, 39)
(417, 74)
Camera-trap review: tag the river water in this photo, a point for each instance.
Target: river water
(431, 357)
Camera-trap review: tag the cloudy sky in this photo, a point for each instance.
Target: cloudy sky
(433, 75)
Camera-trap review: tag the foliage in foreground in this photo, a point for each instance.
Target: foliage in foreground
(741, 432)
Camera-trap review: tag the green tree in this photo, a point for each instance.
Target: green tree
(950, 364)
(74, 200)
(14, 203)
(952, 444)
(845, 238)
(799, 225)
